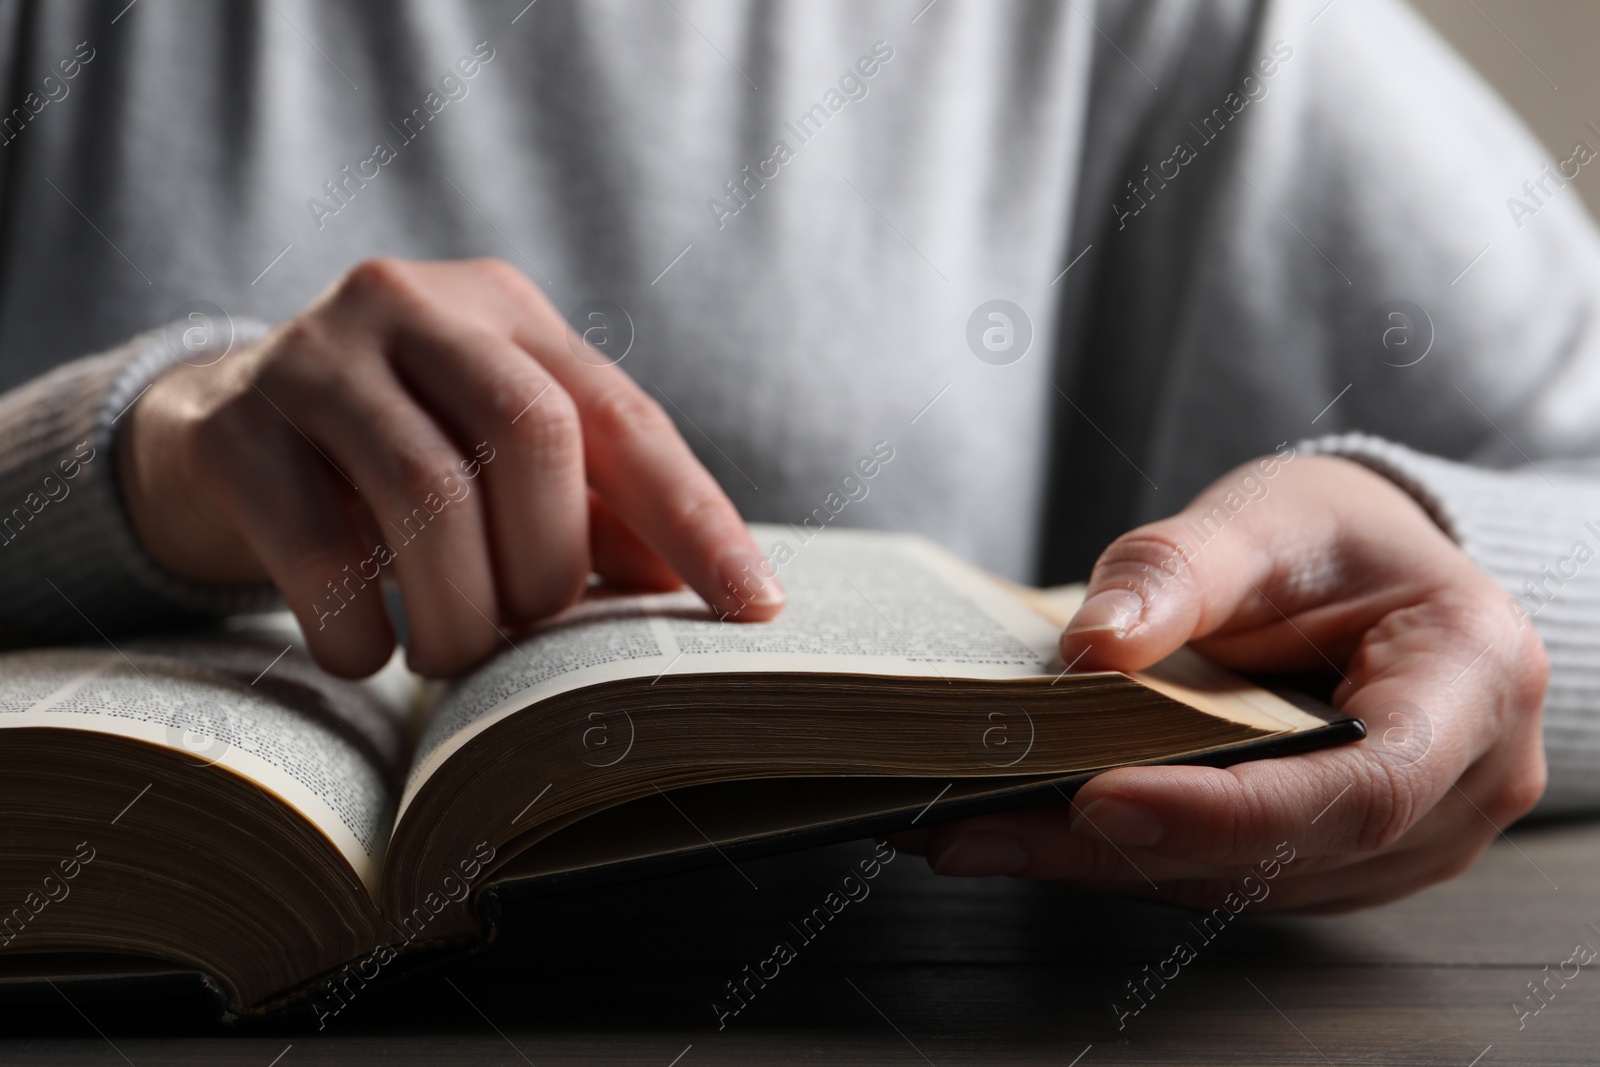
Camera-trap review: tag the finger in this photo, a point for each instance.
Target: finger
(1334, 802)
(1270, 582)
(1151, 592)
(649, 478)
(1353, 799)
(1063, 842)
(403, 465)
(1381, 879)
(621, 558)
(1363, 797)
(647, 474)
(521, 431)
(1368, 883)
(1381, 883)
(1341, 803)
(1374, 881)
(291, 511)
(1350, 800)
(1445, 843)
(1038, 843)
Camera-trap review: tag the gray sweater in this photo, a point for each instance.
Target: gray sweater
(1202, 217)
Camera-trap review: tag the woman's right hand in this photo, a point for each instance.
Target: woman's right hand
(441, 410)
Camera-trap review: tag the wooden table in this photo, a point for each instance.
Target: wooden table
(945, 972)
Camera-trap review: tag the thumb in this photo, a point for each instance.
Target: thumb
(1160, 586)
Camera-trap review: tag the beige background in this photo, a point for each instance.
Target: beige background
(1543, 56)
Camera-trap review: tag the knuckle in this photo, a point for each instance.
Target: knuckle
(1481, 615)
(313, 364)
(624, 412)
(1531, 666)
(1521, 662)
(300, 334)
(381, 279)
(551, 429)
(1469, 621)
(1525, 672)
(1519, 793)
(703, 515)
(499, 272)
(418, 471)
(312, 558)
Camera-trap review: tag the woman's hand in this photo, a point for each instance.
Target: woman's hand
(1323, 565)
(441, 421)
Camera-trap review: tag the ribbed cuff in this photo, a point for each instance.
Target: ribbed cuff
(1537, 533)
(71, 566)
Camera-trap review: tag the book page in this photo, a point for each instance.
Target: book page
(858, 603)
(330, 749)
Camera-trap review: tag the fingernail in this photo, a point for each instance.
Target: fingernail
(1117, 610)
(749, 579)
(1120, 822)
(980, 855)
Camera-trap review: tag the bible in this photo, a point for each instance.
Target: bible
(213, 803)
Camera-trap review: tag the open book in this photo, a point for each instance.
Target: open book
(218, 803)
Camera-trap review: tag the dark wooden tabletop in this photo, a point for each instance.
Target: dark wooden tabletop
(927, 970)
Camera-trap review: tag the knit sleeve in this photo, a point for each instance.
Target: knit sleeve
(71, 567)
